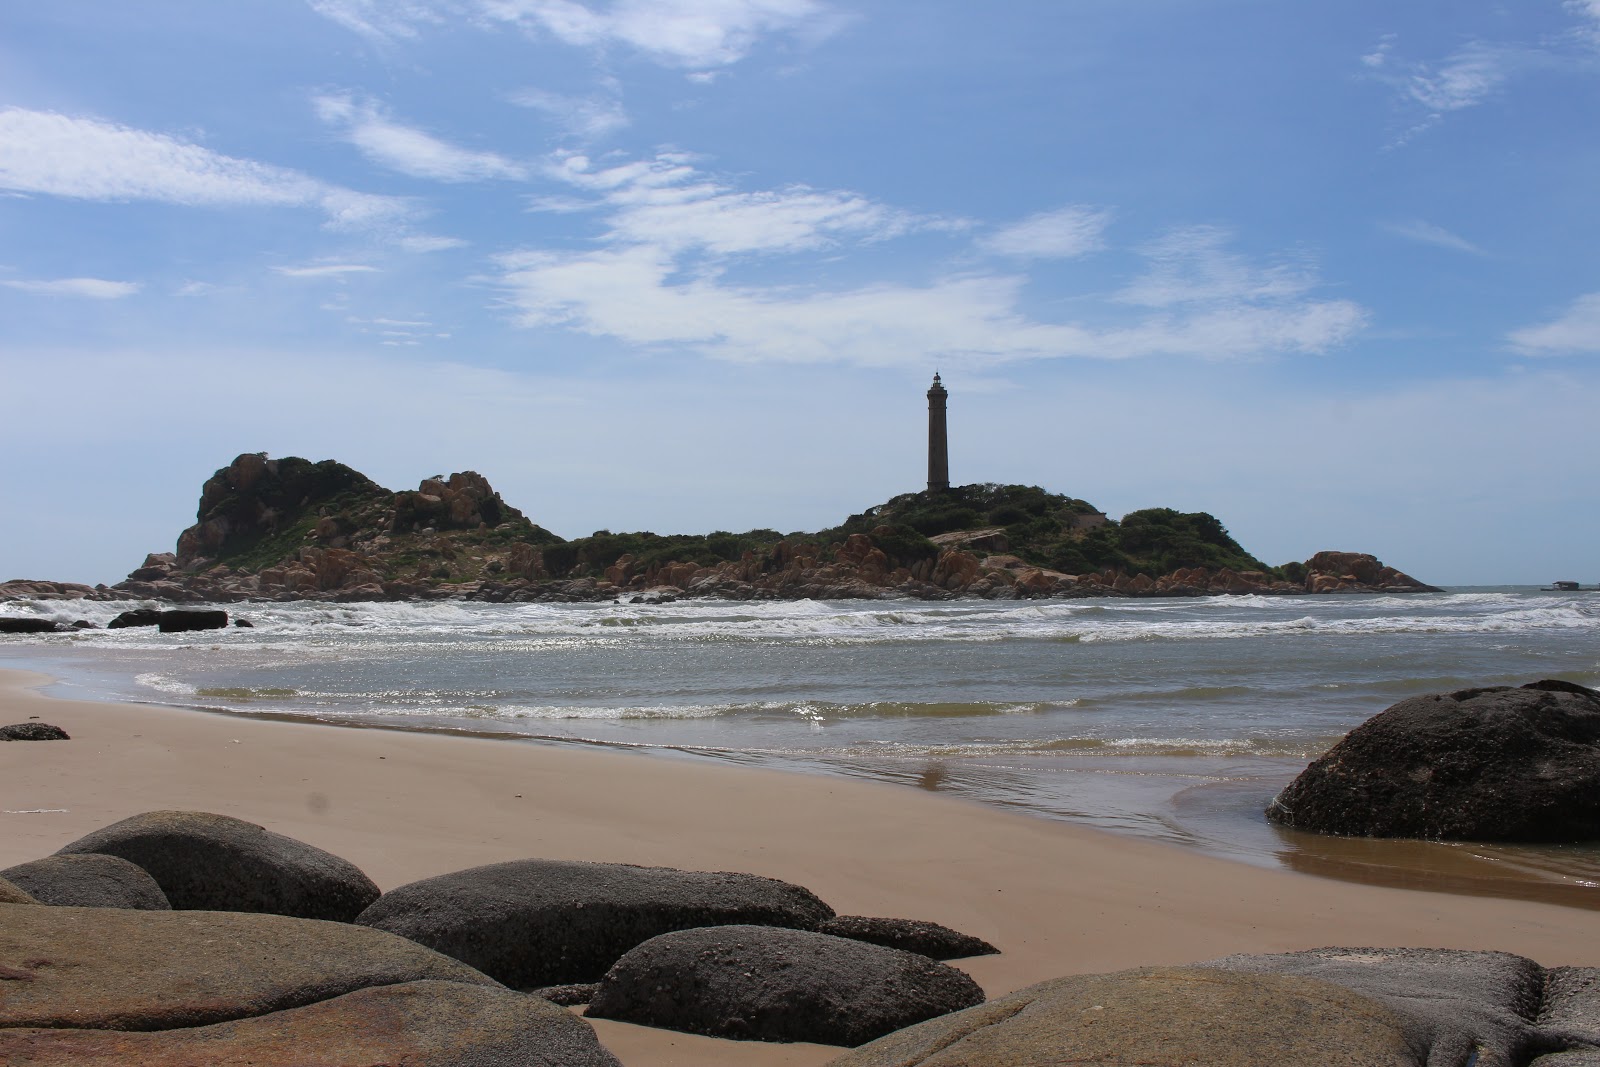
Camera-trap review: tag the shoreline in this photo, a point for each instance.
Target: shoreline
(1455, 868)
(1054, 897)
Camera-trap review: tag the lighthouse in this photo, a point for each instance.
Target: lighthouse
(938, 439)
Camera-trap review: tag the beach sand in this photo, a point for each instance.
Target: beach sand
(1055, 898)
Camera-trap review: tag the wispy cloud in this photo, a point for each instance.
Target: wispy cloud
(410, 150)
(92, 288)
(89, 159)
(695, 35)
(380, 21)
(326, 270)
(1429, 234)
(664, 277)
(1576, 331)
(423, 242)
(1063, 233)
(586, 117)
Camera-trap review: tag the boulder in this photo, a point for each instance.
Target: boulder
(567, 995)
(136, 617)
(1457, 1002)
(533, 923)
(1160, 1017)
(11, 893)
(1494, 764)
(11, 624)
(1570, 1006)
(180, 621)
(763, 983)
(113, 969)
(419, 1024)
(33, 731)
(910, 935)
(218, 863)
(88, 881)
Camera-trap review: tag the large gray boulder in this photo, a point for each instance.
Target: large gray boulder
(1167, 1017)
(419, 1024)
(1570, 1008)
(1494, 764)
(532, 923)
(90, 880)
(208, 862)
(1458, 1001)
(110, 969)
(762, 983)
(910, 935)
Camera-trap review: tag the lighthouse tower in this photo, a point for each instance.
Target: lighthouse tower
(938, 439)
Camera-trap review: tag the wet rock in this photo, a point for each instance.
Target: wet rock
(910, 935)
(33, 731)
(218, 863)
(762, 983)
(180, 621)
(533, 923)
(113, 969)
(1171, 1017)
(136, 617)
(1493, 764)
(11, 624)
(88, 881)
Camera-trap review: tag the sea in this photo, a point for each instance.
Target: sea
(1175, 720)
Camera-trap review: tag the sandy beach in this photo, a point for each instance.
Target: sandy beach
(1055, 898)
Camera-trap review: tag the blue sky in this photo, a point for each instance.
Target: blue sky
(1328, 271)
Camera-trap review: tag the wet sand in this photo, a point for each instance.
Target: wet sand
(1055, 898)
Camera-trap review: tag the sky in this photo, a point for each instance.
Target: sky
(1326, 270)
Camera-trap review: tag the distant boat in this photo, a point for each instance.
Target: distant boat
(1568, 587)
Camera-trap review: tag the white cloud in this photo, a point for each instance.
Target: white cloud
(690, 34)
(1192, 265)
(409, 150)
(1429, 234)
(661, 279)
(1064, 233)
(326, 270)
(423, 242)
(88, 159)
(693, 34)
(93, 288)
(1575, 331)
(380, 21)
(1463, 80)
(588, 117)
(669, 204)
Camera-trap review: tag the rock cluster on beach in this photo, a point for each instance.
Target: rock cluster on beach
(93, 971)
(1487, 764)
(290, 529)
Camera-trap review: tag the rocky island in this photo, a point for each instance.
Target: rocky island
(291, 529)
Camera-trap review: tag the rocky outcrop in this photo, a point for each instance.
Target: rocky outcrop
(218, 863)
(532, 923)
(11, 893)
(419, 1024)
(761, 983)
(33, 731)
(1357, 572)
(909, 935)
(182, 622)
(115, 969)
(1493, 764)
(11, 624)
(290, 529)
(88, 881)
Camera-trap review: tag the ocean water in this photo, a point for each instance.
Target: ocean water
(1171, 719)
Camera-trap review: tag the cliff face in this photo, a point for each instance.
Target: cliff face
(291, 529)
